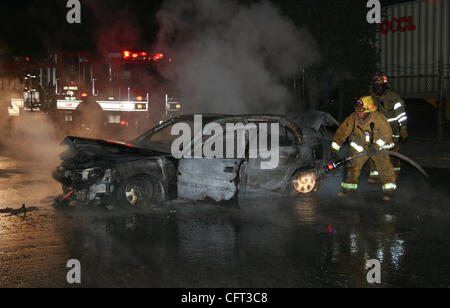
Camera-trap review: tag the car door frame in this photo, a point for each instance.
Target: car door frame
(292, 161)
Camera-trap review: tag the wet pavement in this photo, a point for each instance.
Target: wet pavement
(266, 241)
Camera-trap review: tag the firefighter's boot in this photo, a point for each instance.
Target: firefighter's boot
(387, 176)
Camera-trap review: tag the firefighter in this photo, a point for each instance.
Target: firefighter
(393, 108)
(367, 130)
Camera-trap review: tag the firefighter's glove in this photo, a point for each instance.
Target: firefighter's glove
(404, 134)
(372, 151)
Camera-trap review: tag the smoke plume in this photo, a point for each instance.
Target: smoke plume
(30, 137)
(232, 58)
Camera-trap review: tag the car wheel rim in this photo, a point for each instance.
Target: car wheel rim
(135, 193)
(305, 183)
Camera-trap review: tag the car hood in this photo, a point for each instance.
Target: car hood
(83, 150)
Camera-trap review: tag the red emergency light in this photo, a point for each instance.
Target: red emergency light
(84, 94)
(158, 56)
(139, 98)
(127, 55)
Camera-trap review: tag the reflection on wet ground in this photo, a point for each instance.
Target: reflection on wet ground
(315, 241)
(268, 241)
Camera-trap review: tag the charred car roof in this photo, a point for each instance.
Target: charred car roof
(209, 118)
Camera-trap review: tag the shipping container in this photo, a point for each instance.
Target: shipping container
(414, 45)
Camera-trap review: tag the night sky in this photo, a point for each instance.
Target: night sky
(37, 28)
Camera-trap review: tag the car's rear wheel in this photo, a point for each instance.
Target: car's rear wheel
(304, 182)
(136, 191)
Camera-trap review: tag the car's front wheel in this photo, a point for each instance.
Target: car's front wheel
(136, 191)
(304, 182)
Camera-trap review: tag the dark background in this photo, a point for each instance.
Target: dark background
(36, 29)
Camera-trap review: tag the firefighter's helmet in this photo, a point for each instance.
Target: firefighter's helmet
(365, 104)
(381, 80)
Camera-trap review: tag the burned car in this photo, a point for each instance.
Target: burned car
(145, 170)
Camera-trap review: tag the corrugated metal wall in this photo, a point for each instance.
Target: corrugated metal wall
(411, 55)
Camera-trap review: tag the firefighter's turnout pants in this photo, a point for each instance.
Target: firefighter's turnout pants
(374, 171)
(382, 163)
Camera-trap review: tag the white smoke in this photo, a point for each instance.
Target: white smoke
(232, 58)
(30, 137)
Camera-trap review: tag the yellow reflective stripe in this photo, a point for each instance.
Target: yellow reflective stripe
(398, 117)
(335, 146)
(388, 146)
(398, 106)
(357, 147)
(381, 143)
(397, 169)
(349, 186)
(374, 173)
(403, 119)
(367, 137)
(389, 186)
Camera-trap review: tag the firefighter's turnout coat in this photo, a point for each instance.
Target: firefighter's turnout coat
(361, 136)
(393, 108)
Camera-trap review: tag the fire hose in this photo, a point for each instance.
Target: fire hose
(306, 182)
(334, 166)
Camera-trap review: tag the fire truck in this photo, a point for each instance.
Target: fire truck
(127, 86)
(73, 81)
